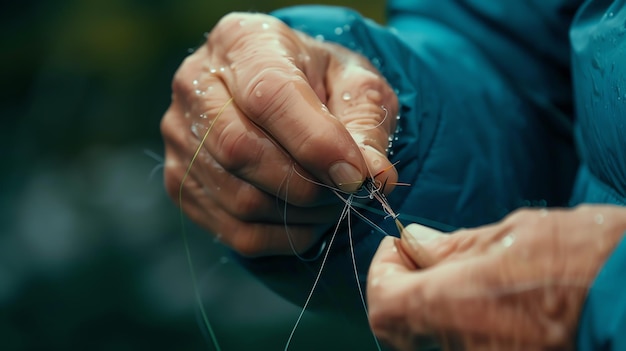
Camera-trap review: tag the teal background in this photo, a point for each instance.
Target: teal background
(91, 256)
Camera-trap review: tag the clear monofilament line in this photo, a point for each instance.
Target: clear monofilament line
(358, 281)
(344, 213)
(288, 232)
(359, 214)
(192, 271)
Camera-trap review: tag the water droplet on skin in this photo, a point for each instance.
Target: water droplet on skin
(199, 92)
(195, 82)
(346, 96)
(265, 26)
(203, 115)
(338, 31)
(212, 70)
(194, 130)
(222, 69)
(508, 240)
(599, 218)
(397, 117)
(319, 37)
(258, 93)
(543, 212)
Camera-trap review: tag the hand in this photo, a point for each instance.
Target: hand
(302, 110)
(516, 285)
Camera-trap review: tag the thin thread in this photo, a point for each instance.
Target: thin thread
(184, 231)
(358, 281)
(288, 232)
(344, 213)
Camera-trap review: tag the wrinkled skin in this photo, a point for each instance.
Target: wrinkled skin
(515, 285)
(290, 124)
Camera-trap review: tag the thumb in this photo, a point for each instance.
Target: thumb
(362, 100)
(420, 244)
(273, 91)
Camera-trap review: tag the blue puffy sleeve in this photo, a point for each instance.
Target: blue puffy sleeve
(485, 123)
(485, 126)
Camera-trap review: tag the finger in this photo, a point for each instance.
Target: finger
(238, 145)
(414, 244)
(363, 101)
(275, 94)
(387, 269)
(475, 299)
(387, 290)
(427, 246)
(234, 195)
(248, 203)
(386, 260)
(251, 239)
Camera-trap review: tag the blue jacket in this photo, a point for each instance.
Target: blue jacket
(503, 104)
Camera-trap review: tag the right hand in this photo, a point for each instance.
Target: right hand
(297, 104)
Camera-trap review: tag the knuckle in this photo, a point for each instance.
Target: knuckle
(227, 23)
(248, 202)
(237, 26)
(237, 150)
(249, 243)
(173, 176)
(181, 83)
(170, 127)
(165, 125)
(269, 91)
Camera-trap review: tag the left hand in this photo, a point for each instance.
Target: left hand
(518, 284)
(287, 103)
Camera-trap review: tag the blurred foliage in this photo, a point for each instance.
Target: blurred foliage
(90, 249)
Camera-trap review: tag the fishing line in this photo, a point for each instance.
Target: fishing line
(184, 231)
(345, 211)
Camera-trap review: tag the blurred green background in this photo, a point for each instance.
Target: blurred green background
(91, 256)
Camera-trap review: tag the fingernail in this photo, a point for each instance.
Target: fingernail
(422, 234)
(346, 177)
